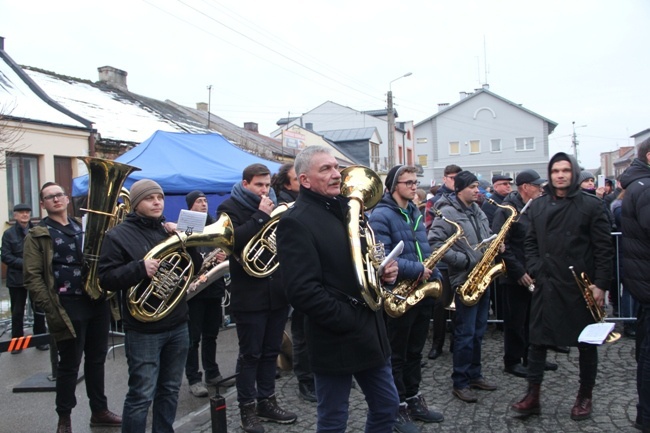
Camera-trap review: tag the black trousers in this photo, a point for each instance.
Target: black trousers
(91, 321)
(18, 299)
(407, 335)
(441, 314)
(516, 313)
(587, 362)
(205, 319)
(301, 364)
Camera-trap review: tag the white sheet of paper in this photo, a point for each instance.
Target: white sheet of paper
(595, 333)
(190, 219)
(391, 256)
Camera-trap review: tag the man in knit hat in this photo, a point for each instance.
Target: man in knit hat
(53, 266)
(205, 310)
(155, 350)
(470, 322)
(396, 218)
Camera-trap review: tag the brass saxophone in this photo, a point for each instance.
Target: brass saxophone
(597, 313)
(410, 292)
(485, 271)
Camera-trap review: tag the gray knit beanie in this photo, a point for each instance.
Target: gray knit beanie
(141, 189)
(584, 175)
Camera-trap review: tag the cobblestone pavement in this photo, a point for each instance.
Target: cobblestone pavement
(614, 407)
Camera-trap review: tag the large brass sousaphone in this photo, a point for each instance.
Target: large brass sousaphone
(364, 189)
(105, 180)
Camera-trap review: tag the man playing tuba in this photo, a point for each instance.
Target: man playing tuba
(394, 219)
(155, 350)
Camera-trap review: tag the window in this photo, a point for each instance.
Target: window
(525, 143)
(22, 182)
(454, 148)
(495, 145)
(475, 146)
(374, 156)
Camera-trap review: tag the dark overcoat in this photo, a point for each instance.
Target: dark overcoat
(343, 336)
(563, 232)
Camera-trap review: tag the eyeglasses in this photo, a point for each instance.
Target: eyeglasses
(58, 196)
(411, 183)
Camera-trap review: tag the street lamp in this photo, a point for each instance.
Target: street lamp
(574, 140)
(391, 123)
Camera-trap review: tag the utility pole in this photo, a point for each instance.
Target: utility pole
(391, 122)
(209, 102)
(574, 140)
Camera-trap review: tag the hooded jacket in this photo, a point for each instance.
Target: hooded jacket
(563, 232)
(635, 221)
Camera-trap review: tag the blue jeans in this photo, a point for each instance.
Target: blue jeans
(469, 328)
(156, 363)
(260, 336)
(333, 393)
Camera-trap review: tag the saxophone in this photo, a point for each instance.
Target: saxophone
(485, 271)
(409, 292)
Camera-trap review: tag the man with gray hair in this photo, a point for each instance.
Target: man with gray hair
(345, 337)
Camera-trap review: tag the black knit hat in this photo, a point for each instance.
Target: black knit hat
(463, 180)
(393, 176)
(191, 197)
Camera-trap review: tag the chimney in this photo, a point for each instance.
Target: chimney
(202, 106)
(2, 43)
(443, 106)
(251, 126)
(463, 95)
(309, 126)
(486, 86)
(113, 77)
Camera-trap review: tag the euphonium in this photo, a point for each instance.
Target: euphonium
(210, 271)
(485, 271)
(105, 180)
(410, 292)
(599, 314)
(259, 258)
(168, 286)
(364, 189)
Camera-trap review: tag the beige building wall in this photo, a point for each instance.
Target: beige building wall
(44, 142)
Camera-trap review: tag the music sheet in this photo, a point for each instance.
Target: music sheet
(595, 333)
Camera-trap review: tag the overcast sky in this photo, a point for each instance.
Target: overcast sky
(570, 61)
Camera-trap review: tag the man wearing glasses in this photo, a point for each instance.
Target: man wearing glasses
(53, 274)
(396, 218)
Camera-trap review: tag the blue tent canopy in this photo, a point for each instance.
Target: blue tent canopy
(182, 162)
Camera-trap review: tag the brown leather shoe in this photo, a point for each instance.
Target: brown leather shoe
(465, 394)
(581, 408)
(529, 405)
(64, 425)
(483, 384)
(105, 418)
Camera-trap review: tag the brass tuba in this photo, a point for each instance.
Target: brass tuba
(105, 180)
(597, 313)
(168, 286)
(410, 292)
(485, 271)
(364, 189)
(259, 258)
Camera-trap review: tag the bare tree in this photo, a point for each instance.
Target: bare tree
(11, 131)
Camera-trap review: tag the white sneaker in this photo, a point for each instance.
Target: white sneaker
(199, 390)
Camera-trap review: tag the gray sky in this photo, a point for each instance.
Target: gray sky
(570, 61)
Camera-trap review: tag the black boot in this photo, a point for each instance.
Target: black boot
(65, 424)
(268, 410)
(249, 420)
(529, 405)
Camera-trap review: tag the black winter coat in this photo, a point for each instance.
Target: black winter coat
(13, 240)
(635, 221)
(250, 293)
(563, 232)
(121, 266)
(514, 256)
(320, 280)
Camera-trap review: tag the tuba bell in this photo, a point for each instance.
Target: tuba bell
(364, 189)
(259, 258)
(105, 180)
(168, 286)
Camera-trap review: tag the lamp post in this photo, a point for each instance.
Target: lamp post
(391, 122)
(574, 140)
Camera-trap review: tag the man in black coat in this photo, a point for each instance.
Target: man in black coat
(12, 256)
(567, 228)
(345, 337)
(636, 262)
(259, 305)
